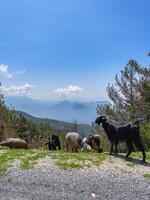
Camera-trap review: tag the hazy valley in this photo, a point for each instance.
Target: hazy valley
(83, 112)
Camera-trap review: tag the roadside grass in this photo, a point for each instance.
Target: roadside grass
(67, 160)
(130, 164)
(147, 176)
(138, 155)
(28, 158)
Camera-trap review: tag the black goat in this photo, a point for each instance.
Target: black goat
(54, 140)
(128, 133)
(51, 145)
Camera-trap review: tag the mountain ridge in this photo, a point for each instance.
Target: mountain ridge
(83, 112)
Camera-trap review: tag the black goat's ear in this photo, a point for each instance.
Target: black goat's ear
(90, 137)
(137, 123)
(97, 119)
(103, 117)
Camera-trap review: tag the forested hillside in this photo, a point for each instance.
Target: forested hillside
(83, 129)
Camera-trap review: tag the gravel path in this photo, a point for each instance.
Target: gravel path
(113, 180)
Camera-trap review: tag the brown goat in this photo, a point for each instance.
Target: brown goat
(94, 141)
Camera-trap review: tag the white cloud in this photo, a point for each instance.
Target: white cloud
(69, 91)
(20, 72)
(19, 90)
(4, 71)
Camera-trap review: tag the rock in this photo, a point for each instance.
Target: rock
(15, 143)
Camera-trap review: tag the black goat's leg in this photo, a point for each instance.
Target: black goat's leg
(140, 146)
(144, 155)
(111, 149)
(54, 147)
(59, 147)
(130, 148)
(116, 149)
(129, 152)
(100, 150)
(49, 147)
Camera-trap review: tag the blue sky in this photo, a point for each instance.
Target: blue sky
(56, 49)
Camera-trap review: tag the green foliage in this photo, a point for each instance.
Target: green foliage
(145, 132)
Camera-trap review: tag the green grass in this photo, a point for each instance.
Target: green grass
(69, 165)
(146, 176)
(78, 160)
(138, 155)
(130, 164)
(28, 158)
(31, 158)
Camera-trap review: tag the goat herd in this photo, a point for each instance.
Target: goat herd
(129, 133)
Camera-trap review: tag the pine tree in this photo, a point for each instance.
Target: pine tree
(129, 94)
(144, 89)
(1, 115)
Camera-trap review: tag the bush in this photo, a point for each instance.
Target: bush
(145, 133)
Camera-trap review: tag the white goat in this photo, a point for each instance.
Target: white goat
(73, 142)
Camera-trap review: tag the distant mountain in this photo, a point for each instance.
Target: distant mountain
(83, 129)
(83, 112)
